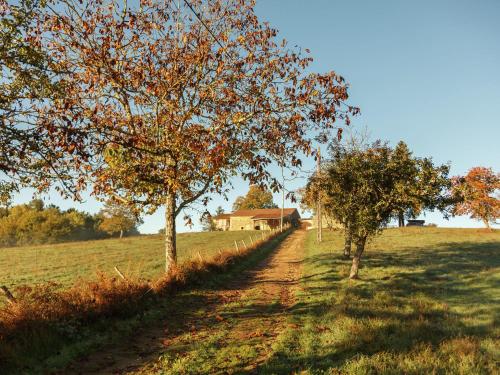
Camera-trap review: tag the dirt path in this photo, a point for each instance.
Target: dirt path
(243, 319)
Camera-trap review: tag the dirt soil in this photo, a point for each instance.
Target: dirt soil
(266, 292)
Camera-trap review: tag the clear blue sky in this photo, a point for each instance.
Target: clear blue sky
(426, 72)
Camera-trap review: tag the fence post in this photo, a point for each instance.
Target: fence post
(244, 244)
(236, 244)
(251, 240)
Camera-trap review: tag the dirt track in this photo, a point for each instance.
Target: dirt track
(266, 292)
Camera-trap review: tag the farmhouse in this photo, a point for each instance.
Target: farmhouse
(256, 219)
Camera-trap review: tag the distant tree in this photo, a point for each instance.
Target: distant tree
(168, 108)
(118, 219)
(477, 195)
(425, 186)
(207, 222)
(257, 197)
(219, 211)
(35, 223)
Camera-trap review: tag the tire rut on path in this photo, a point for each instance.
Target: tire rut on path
(250, 310)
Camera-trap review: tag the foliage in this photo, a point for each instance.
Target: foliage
(207, 222)
(28, 156)
(363, 186)
(35, 224)
(477, 195)
(118, 219)
(168, 108)
(257, 197)
(426, 188)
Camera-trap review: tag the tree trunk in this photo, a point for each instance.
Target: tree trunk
(348, 242)
(121, 233)
(170, 246)
(401, 218)
(360, 247)
(487, 223)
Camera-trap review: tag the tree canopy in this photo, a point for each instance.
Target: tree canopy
(164, 106)
(477, 195)
(118, 219)
(256, 197)
(28, 155)
(363, 186)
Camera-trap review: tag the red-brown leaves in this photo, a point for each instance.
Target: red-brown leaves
(475, 193)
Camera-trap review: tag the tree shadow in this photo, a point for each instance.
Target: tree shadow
(410, 308)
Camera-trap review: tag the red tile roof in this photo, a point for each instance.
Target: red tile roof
(222, 216)
(264, 213)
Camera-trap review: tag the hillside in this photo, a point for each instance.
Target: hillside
(136, 256)
(427, 302)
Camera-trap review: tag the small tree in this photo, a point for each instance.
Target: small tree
(257, 197)
(363, 188)
(207, 222)
(117, 218)
(475, 194)
(166, 105)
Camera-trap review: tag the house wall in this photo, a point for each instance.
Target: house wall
(222, 224)
(241, 223)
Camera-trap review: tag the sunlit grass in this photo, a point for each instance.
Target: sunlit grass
(141, 256)
(428, 302)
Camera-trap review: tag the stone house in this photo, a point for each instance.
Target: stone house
(256, 219)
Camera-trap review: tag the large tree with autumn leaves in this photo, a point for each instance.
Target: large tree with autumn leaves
(174, 98)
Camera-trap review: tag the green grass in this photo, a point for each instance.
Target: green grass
(428, 302)
(141, 256)
(177, 309)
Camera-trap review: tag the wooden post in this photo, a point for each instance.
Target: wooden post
(251, 240)
(319, 233)
(10, 298)
(244, 244)
(120, 273)
(236, 244)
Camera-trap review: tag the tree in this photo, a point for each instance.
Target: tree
(169, 104)
(256, 197)
(207, 222)
(475, 194)
(117, 218)
(28, 155)
(362, 188)
(426, 186)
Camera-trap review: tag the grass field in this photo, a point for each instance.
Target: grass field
(428, 302)
(141, 256)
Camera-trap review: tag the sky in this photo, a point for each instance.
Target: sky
(425, 72)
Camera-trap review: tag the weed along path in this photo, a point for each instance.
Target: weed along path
(224, 329)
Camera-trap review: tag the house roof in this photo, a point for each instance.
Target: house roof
(264, 213)
(222, 216)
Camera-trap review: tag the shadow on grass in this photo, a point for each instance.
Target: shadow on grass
(396, 310)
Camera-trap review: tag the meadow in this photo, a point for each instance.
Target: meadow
(427, 302)
(141, 256)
